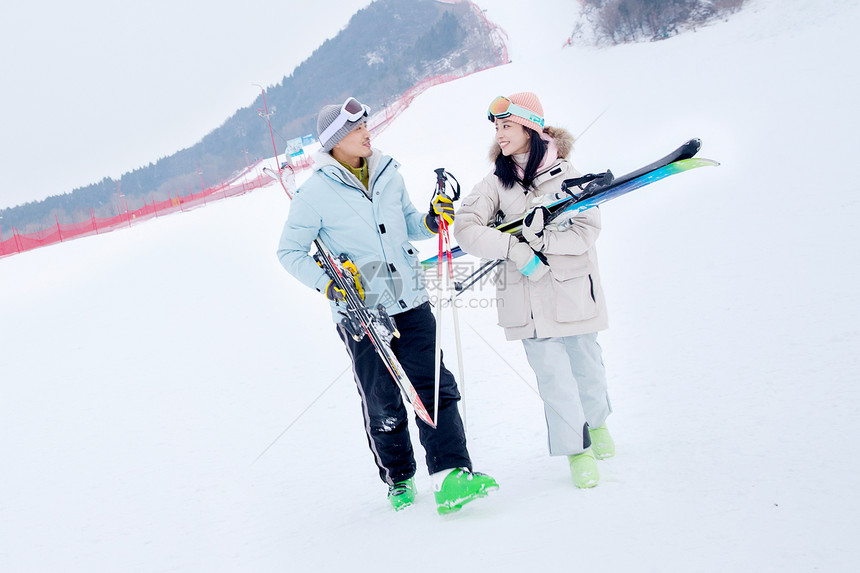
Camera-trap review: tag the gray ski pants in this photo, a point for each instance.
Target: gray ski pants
(572, 383)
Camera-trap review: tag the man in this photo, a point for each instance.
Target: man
(356, 203)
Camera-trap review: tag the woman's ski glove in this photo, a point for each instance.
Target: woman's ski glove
(528, 261)
(440, 206)
(533, 228)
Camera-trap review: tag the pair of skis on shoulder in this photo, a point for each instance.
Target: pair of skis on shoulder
(586, 192)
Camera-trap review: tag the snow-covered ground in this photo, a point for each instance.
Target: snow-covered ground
(144, 372)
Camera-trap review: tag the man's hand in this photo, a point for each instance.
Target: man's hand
(334, 292)
(443, 207)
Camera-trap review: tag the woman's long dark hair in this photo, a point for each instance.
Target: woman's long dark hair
(506, 169)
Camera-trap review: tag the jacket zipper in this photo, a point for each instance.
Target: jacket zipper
(376, 176)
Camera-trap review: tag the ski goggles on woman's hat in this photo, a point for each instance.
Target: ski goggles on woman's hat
(502, 107)
(351, 110)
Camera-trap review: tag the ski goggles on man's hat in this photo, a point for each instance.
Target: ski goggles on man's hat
(351, 110)
(502, 107)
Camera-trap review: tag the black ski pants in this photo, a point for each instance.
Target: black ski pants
(383, 408)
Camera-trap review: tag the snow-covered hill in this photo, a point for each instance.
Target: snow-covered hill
(144, 371)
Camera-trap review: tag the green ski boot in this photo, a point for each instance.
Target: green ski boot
(583, 469)
(460, 487)
(402, 494)
(602, 443)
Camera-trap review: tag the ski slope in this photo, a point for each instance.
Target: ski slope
(172, 400)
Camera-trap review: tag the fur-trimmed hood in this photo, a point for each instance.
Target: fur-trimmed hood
(563, 139)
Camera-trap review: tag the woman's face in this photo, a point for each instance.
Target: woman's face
(512, 137)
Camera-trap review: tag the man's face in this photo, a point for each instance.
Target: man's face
(354, 146)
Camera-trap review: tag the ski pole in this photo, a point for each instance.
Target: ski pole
(437, 356)
(482, 271)
(445, 252)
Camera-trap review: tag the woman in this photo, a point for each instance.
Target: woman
(549, 286)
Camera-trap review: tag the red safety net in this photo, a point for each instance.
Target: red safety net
(252, 178)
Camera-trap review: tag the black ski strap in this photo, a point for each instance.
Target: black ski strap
(499, 218)
(442, 178)
(579, 181)
(595, 181)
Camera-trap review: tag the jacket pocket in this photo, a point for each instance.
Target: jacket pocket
(575, 297)
(410, 252)
(513, 305)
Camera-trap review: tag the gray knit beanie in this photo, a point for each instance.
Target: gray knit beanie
(327, 115)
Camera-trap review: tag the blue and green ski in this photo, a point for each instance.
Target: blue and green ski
(592, 190)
